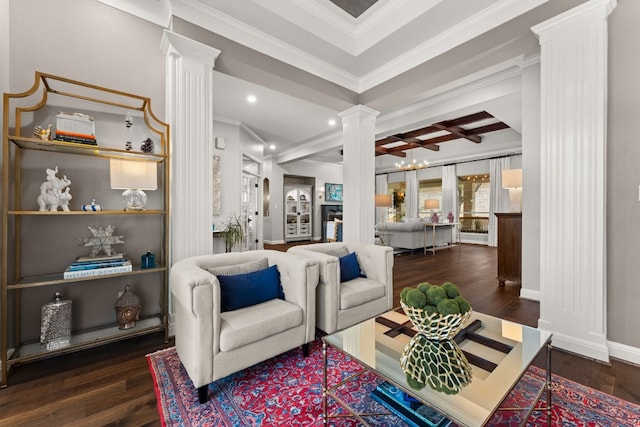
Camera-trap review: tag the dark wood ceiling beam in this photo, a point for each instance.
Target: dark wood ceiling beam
(465, 120)
(460, 133)
(489, 128)
(451, 128)
(380, 151)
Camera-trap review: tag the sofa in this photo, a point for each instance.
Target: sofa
(213, 343)
(367, 293)
(405, 235)
(411, 234)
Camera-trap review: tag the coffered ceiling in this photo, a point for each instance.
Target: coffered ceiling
(366, 47)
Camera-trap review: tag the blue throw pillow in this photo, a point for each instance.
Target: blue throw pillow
(243, 290)
(349, 267)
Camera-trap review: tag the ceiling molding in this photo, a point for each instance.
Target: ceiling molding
(455, 90)
(325, 23)
(156, 11)
(476, 25)
(233, 29)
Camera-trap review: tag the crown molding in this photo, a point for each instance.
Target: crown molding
(352, 35)
(217, 22)
(156, 11)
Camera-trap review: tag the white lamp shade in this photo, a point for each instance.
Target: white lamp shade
(127, 174)
(512, 178)
(431, 204)
(383, 200)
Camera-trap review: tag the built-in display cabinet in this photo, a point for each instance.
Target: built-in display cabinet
(40, 242)
(298, 205)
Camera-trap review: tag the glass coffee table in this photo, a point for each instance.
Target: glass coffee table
(498, 352)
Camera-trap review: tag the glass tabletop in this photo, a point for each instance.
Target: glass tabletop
(498, 351)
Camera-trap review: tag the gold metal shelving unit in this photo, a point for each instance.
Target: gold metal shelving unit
(18, 110)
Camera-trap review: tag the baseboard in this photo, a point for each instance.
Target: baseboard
(574, 345)
(530, 294)
(273, 242)
(624, 352)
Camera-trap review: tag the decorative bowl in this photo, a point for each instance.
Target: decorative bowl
(436, 326)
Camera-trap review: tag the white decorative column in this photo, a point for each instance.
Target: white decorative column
(189, 100)
(358, 133)
(572, 173)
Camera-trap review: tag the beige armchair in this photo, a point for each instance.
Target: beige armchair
(212, 343)
(340, 305)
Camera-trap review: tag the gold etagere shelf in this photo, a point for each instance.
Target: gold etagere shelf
(19, 109)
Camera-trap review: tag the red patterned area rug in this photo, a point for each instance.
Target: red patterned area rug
(286, 391)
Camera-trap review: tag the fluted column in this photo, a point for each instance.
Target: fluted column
(358, 132)
(189, 98)
(573, 178)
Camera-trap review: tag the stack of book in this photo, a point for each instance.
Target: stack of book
(75, 127)
(98, 266)
(410, 410)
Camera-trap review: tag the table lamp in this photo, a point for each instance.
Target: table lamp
(133, 177)
(383, 200)
(512, 181)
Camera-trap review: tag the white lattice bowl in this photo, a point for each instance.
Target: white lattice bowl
(436, 326)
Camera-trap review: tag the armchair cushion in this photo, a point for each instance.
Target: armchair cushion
(247, 325)
(349, 267)
(244, 290)
(360, 291)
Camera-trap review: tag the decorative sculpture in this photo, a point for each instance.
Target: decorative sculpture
(42, 133)
(147, 146)
(127, 309)
(128, 122)
(54, 192)
(93, 207)
(101, 240)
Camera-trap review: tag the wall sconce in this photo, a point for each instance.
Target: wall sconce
(383, 200)
(512, 181)
(133, 177)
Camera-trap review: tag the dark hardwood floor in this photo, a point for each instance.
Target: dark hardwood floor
(111, 385)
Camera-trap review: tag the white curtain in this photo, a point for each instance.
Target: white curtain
(411, 195)
(499, 197)
(381, 188)
(449, 202)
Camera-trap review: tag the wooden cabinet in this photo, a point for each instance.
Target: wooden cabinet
(298, 212)
(38, 245)
(509, 247)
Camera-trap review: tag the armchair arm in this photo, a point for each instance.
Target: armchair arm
(196, 306)
(299, 278)
(375, 261)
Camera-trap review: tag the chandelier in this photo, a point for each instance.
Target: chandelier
(412, 164)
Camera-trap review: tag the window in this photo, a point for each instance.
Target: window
(429, 190)
(473, 203)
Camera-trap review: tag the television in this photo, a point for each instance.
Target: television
(332, 192)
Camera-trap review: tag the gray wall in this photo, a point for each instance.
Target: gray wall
(623, 176)
(94, 43)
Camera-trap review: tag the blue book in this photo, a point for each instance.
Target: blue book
(94, 265)
(407, 408)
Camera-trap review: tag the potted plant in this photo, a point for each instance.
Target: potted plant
(232, 232)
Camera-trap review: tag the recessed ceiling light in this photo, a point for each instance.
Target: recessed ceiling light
(251, 99)
(332, 122)
(272, 147)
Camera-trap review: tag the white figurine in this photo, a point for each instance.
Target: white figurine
(54, 192)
